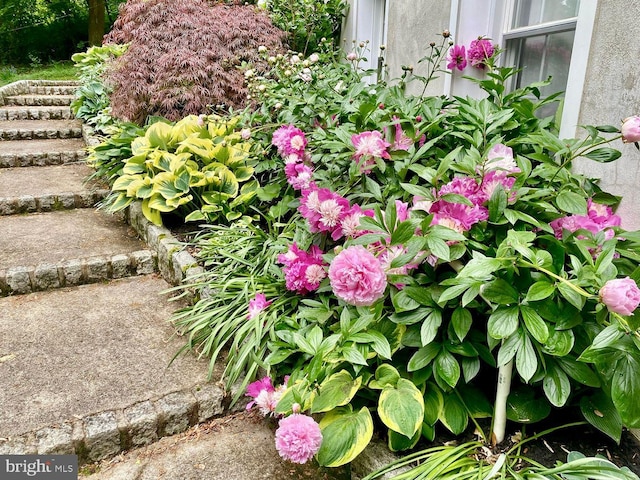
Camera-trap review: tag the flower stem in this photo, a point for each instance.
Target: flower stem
(500, 412)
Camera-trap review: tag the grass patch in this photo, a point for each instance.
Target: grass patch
(51, 71)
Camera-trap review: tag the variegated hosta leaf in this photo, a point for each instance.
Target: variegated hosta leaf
(335, 391)
(401, 408)
(345, 434)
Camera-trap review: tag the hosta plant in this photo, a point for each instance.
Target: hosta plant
(199, 167)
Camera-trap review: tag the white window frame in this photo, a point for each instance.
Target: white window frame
(369, 23)
(469, 17)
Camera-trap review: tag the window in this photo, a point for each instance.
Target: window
(538, 36)
(539, 39)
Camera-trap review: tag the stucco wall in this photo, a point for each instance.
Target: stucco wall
(612, 92)
(412, 25)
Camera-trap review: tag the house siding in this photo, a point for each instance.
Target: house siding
(612, 92)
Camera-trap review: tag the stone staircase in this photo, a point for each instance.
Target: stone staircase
(85, 346)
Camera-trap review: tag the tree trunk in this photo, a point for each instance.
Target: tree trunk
(96, 21)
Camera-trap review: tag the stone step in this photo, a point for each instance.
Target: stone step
(19, 153)
(43, 189)
(43, 251)
(39, 100)
(53, 89)
(39, 129)
(235, 447)
(36, 113)
(88, 370)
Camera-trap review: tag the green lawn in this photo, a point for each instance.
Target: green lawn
(51, 71)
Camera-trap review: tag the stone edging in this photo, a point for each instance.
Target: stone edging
(107, 433)
(50, 202)
(22, 86)
(47, 276)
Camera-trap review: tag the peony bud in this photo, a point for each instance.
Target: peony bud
(631, 129)
(262, 48)
(352, 56)
(620, 295)
(245, 133)
(314, 57)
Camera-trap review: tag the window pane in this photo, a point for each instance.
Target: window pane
(542, 56)
(535, 12)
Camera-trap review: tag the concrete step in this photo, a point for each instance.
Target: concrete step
(39, 100)
(44, 251)
(88, 370)
(20, 153)
(39, 129)
(53, 89)
(35, 113)
(43, 189)
(236, 447)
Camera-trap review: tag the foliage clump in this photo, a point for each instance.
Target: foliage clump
(184, 56)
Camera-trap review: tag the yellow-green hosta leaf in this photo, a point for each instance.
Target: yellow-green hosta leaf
(176, 202)
(195, 216)
(335, 391)
(231, 216)
(150, 214)
(178, 161)
(402, 408)
(247, 192)
(243, 173)
(134, 165)
(158, 202)
(122, 183)
(236, 155)
(121, 202)
(184, 128)
(183, 180)
(164, 184)
(345, 434)
(201, 147)
(386, 375)
(398, 442)
(140, 188)
(159, 135)
(140, 146)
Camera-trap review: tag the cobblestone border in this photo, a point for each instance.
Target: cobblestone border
(50, 202)
(107, 433)
(41, 133)
(22, 87)
(47, 276)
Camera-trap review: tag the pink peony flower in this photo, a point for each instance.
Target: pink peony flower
(457, 58)
(631, 129)
(349, 227)
(303, 271)
(369, 145)
(257, 304)
(621, 295)
(289, 140)
(324, 210)
(298, 438)
(255, 389)
(299, 175)
(599, 218)
(479, 52)
(457, 216)
(401, 141)
(500, 157)
(494, 178)
(357, 277)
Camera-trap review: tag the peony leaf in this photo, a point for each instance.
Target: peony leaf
(599, 411)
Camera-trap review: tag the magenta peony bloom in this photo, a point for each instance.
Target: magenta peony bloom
(303, 271)
(369, 145)
(631, 129)
(357, 277)
(599, 217)
(289, 140)
(324, 210)
(299, 175)
(457, 58)
(479, 52)
(255, 389)
(298, 438)
(621, 295)
(349, 226)
(401, 140)
(257, 304)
